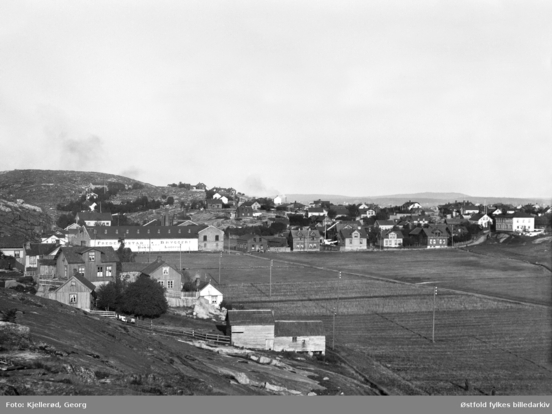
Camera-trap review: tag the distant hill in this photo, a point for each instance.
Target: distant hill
(426, 199)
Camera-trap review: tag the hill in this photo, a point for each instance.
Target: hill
(68, 352)
(426, 199)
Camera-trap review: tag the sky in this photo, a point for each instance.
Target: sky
(355, 98)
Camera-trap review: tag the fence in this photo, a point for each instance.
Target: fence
(176, 331)
(105, 314)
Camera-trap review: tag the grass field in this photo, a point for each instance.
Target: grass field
(454, 269)
(382, 320)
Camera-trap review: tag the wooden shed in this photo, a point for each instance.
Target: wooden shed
(300, 336)
(77, 291)
(251, 328)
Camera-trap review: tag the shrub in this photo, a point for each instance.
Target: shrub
(145, 297)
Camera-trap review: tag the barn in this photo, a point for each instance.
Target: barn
(252, 328)
(300, 336)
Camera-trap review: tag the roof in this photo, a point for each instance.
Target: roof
(247, 237)
(94, 216)
(299, 328)
(385, 222)
(41, 249)
(84, 281)
(46, 262)
(12, 241)
(398, 233)
(152, 267)
(304, 233)
(250, 317)
(133, 266)
(347, 233)
(316, 210)
(137, 232)
(216, 201)
(74, 254)
(515, 215)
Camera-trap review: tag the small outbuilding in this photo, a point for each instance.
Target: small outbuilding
(300, 336)
(211, 294)
(252, 328)
(77, 291)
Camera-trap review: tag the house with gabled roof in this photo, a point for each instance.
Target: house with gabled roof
(481, 219)
(516, 222)
(96, 264)
(252, 243)
(76, 291)
(411, 205)
(384, 224)
(167, 276)
(434, 237)
(317, 211)
(36, 251)
(351, 239)
(214, 204)
(211, 239)
(14, 246)
(304, 240)
(392, 238)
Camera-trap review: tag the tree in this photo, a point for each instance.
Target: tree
(278, 227)
(145, 297)
(65, 220)
(332, 213)
(170, 200)
(110, 295)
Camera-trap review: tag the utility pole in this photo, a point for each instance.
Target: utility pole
(220, 260)
(333, 331)
(270, 280)
(338, 283)
(434, 296)
(180, 253)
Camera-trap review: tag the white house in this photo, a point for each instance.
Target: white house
(483, 220)
(279, 200)
(518, 222)
(213, 296)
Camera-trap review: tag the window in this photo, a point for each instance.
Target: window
(81, 270)
(170, 284)
(17, 254)
(293, 339)
(204, 238)
(217, 238)
(65, 270)
(73, 299)
(99, 272)
(165, 271)
(108, 271)
(92, 256)
(138, 231)
(161, 282)
(32, 260)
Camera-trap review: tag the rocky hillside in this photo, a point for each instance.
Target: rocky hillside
(47, 348)
(47, 188)
(22, 219)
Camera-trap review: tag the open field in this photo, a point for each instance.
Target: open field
(508, 349)
(384, 321)
(454, 269)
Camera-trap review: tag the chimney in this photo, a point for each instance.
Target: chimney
(159, 258)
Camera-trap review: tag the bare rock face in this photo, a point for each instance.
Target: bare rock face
(204, 310)
(21, 219)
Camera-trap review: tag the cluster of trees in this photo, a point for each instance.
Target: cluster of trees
(142, 298)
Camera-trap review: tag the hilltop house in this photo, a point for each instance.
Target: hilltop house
(92, 218)
(411, 205)
(36, 251)
(244, 211)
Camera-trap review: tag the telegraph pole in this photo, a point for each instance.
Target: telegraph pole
(434, 296)
(338, 283)
(180, 253)
(270, 280)
(333, 331)
(220, 260)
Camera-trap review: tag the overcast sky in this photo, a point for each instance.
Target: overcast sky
(341, 97)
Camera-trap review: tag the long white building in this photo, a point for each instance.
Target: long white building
(141, 239)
